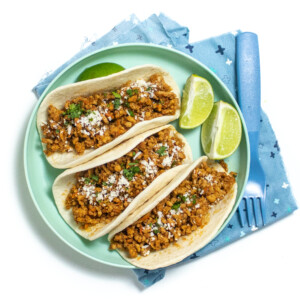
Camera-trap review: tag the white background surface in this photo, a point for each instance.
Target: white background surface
(37, 37)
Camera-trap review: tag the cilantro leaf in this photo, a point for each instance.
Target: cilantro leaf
(129, 92)
(87, 180)
(131, 113)
(116, 95)
(117, 103)
(161, 151)
(129, 173)
(176, 205)
(74, 111)
(95, 177)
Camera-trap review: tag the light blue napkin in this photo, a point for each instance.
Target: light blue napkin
(218, 54)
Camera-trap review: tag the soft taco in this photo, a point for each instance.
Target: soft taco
(180, 219)
(95, 197)
(80, 121)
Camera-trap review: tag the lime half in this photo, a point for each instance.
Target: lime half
(99, 70)
(222, 131)
(197, 102)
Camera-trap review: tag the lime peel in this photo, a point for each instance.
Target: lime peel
(197, 102)
(221, 133)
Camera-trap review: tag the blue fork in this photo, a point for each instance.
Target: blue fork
(248, 79)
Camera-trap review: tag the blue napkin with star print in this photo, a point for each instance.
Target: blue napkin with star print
(218, 54)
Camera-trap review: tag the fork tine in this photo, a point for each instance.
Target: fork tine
(241, 212)
(256, 201)
(249, 211)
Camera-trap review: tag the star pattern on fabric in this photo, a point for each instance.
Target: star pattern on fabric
(214, 70)
(220, 50)
(230, 226)
(276, 146)
(234, 32)
(276, 201)
(285, 185)
(242, 234)
(226, 79)
(115, 29)
(272, 154)
(228, 62)
(189, 47)
(115, 43)
(227, 239)
(139, 37)
(274, 214)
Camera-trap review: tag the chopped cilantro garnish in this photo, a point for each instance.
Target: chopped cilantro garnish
(133, 163)
(104, 183)
(176, 205)
(135, 91)
(91, 119)
(57, 130)
(126, 104)
(95, 177)
(74, 111)
(156, 231)
(133, 153)
(88, 112)
(194, 201)
(87, 180)
(183, 198)
(161, 151)
(131, 113)
(129, 173)
(129, 92)
(174, 163)
(148, 88)
(117, 103)
(116, 95)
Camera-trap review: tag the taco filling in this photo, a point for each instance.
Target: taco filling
(102, 193)
(183, 211)
(88, 122)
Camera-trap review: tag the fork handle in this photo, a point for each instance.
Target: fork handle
(248, 77)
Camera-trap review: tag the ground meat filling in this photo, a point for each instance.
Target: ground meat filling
(102, 193)
(179, 214)
(92, 121)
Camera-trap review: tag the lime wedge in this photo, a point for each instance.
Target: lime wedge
(222, 131)
(197, 102)
(99, 70)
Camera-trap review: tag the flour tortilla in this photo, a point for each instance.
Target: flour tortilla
(189, 244)
(64, 182)
(59, 96)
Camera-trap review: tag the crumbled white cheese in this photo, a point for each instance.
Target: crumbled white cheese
(150, 167)
(160, 215)
(112, 179)
(69, 129)
(209, 178)
(137, 155)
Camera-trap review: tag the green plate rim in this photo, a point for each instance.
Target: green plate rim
(125, 45)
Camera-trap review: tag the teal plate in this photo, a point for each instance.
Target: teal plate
(40, 175)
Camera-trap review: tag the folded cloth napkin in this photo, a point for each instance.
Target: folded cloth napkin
(218, 54)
